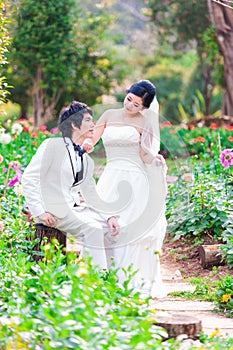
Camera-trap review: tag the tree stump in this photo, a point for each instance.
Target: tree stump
(177, 324)
(50, 233)
(210, 255)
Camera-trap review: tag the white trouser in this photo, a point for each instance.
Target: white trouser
(92, 229)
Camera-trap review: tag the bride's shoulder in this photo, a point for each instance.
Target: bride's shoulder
(112, 114)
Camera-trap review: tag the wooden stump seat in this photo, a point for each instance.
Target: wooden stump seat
(210, 255)
(42, 231)
(178, 324)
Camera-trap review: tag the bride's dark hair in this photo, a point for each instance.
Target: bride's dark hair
(144, 89)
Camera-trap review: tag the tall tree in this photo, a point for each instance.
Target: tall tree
(185, 25)
(222, 19)
(61, 51)
(42, 50)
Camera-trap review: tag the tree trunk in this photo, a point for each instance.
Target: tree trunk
(43, 107)
(49, 110)
(222, 19)
(37, 98)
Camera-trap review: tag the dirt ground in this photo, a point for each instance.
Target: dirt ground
(183, 256)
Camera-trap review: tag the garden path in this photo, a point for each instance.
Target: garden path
(201, 310)
(170, 305)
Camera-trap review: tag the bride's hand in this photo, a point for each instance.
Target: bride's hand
(159, 160)
(87, 145)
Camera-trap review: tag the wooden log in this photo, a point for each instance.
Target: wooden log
(177, 324)
(210, 255)
(47, 234)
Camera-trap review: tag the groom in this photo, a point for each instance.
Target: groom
(58, 171)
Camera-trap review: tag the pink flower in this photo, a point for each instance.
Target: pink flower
(54, 130)
(14, 180)
(226, 157)
(43, 128)
(14, 164)
(229, 127)
(1, 226)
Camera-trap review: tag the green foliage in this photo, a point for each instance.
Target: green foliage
(177, 31)
(62, 302)
(204, 290)
(180, 83)
(60, 51)
(224, 295)
(183, 141)
(173, 20)
(4, 43)
(42, 51)
(169, 89)
(200, 204)
(227, 236)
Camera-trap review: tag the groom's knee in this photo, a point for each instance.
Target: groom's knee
(92, 230)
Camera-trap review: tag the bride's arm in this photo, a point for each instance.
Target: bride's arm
(88, 144)
(99, 127)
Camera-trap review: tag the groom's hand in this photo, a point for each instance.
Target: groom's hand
(48, 218)
(87, 145)
(113, 226)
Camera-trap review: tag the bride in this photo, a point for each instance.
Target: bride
(136, 172)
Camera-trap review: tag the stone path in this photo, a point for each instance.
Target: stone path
(201, 310)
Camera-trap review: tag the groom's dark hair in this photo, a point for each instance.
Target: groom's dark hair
(72, 115)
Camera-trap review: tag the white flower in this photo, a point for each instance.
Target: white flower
(18, 189)
(184, 168)
(16, 128)
(5, 138)
(2, 130)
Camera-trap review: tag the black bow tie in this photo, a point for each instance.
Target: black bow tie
(78, 149)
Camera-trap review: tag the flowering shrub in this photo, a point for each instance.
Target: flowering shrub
(182, 141)
(199, 207)
(62, 303)
(224, 295)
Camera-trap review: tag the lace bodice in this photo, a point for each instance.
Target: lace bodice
(122, 144)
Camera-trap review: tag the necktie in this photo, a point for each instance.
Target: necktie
(79, 174)
(78, 149)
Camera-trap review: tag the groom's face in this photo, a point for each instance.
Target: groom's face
(87, 127)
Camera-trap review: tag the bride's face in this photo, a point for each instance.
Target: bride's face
(132, 103)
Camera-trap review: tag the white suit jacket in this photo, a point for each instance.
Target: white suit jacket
(48, 181)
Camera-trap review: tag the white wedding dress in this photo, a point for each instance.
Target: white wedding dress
(142, 214)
